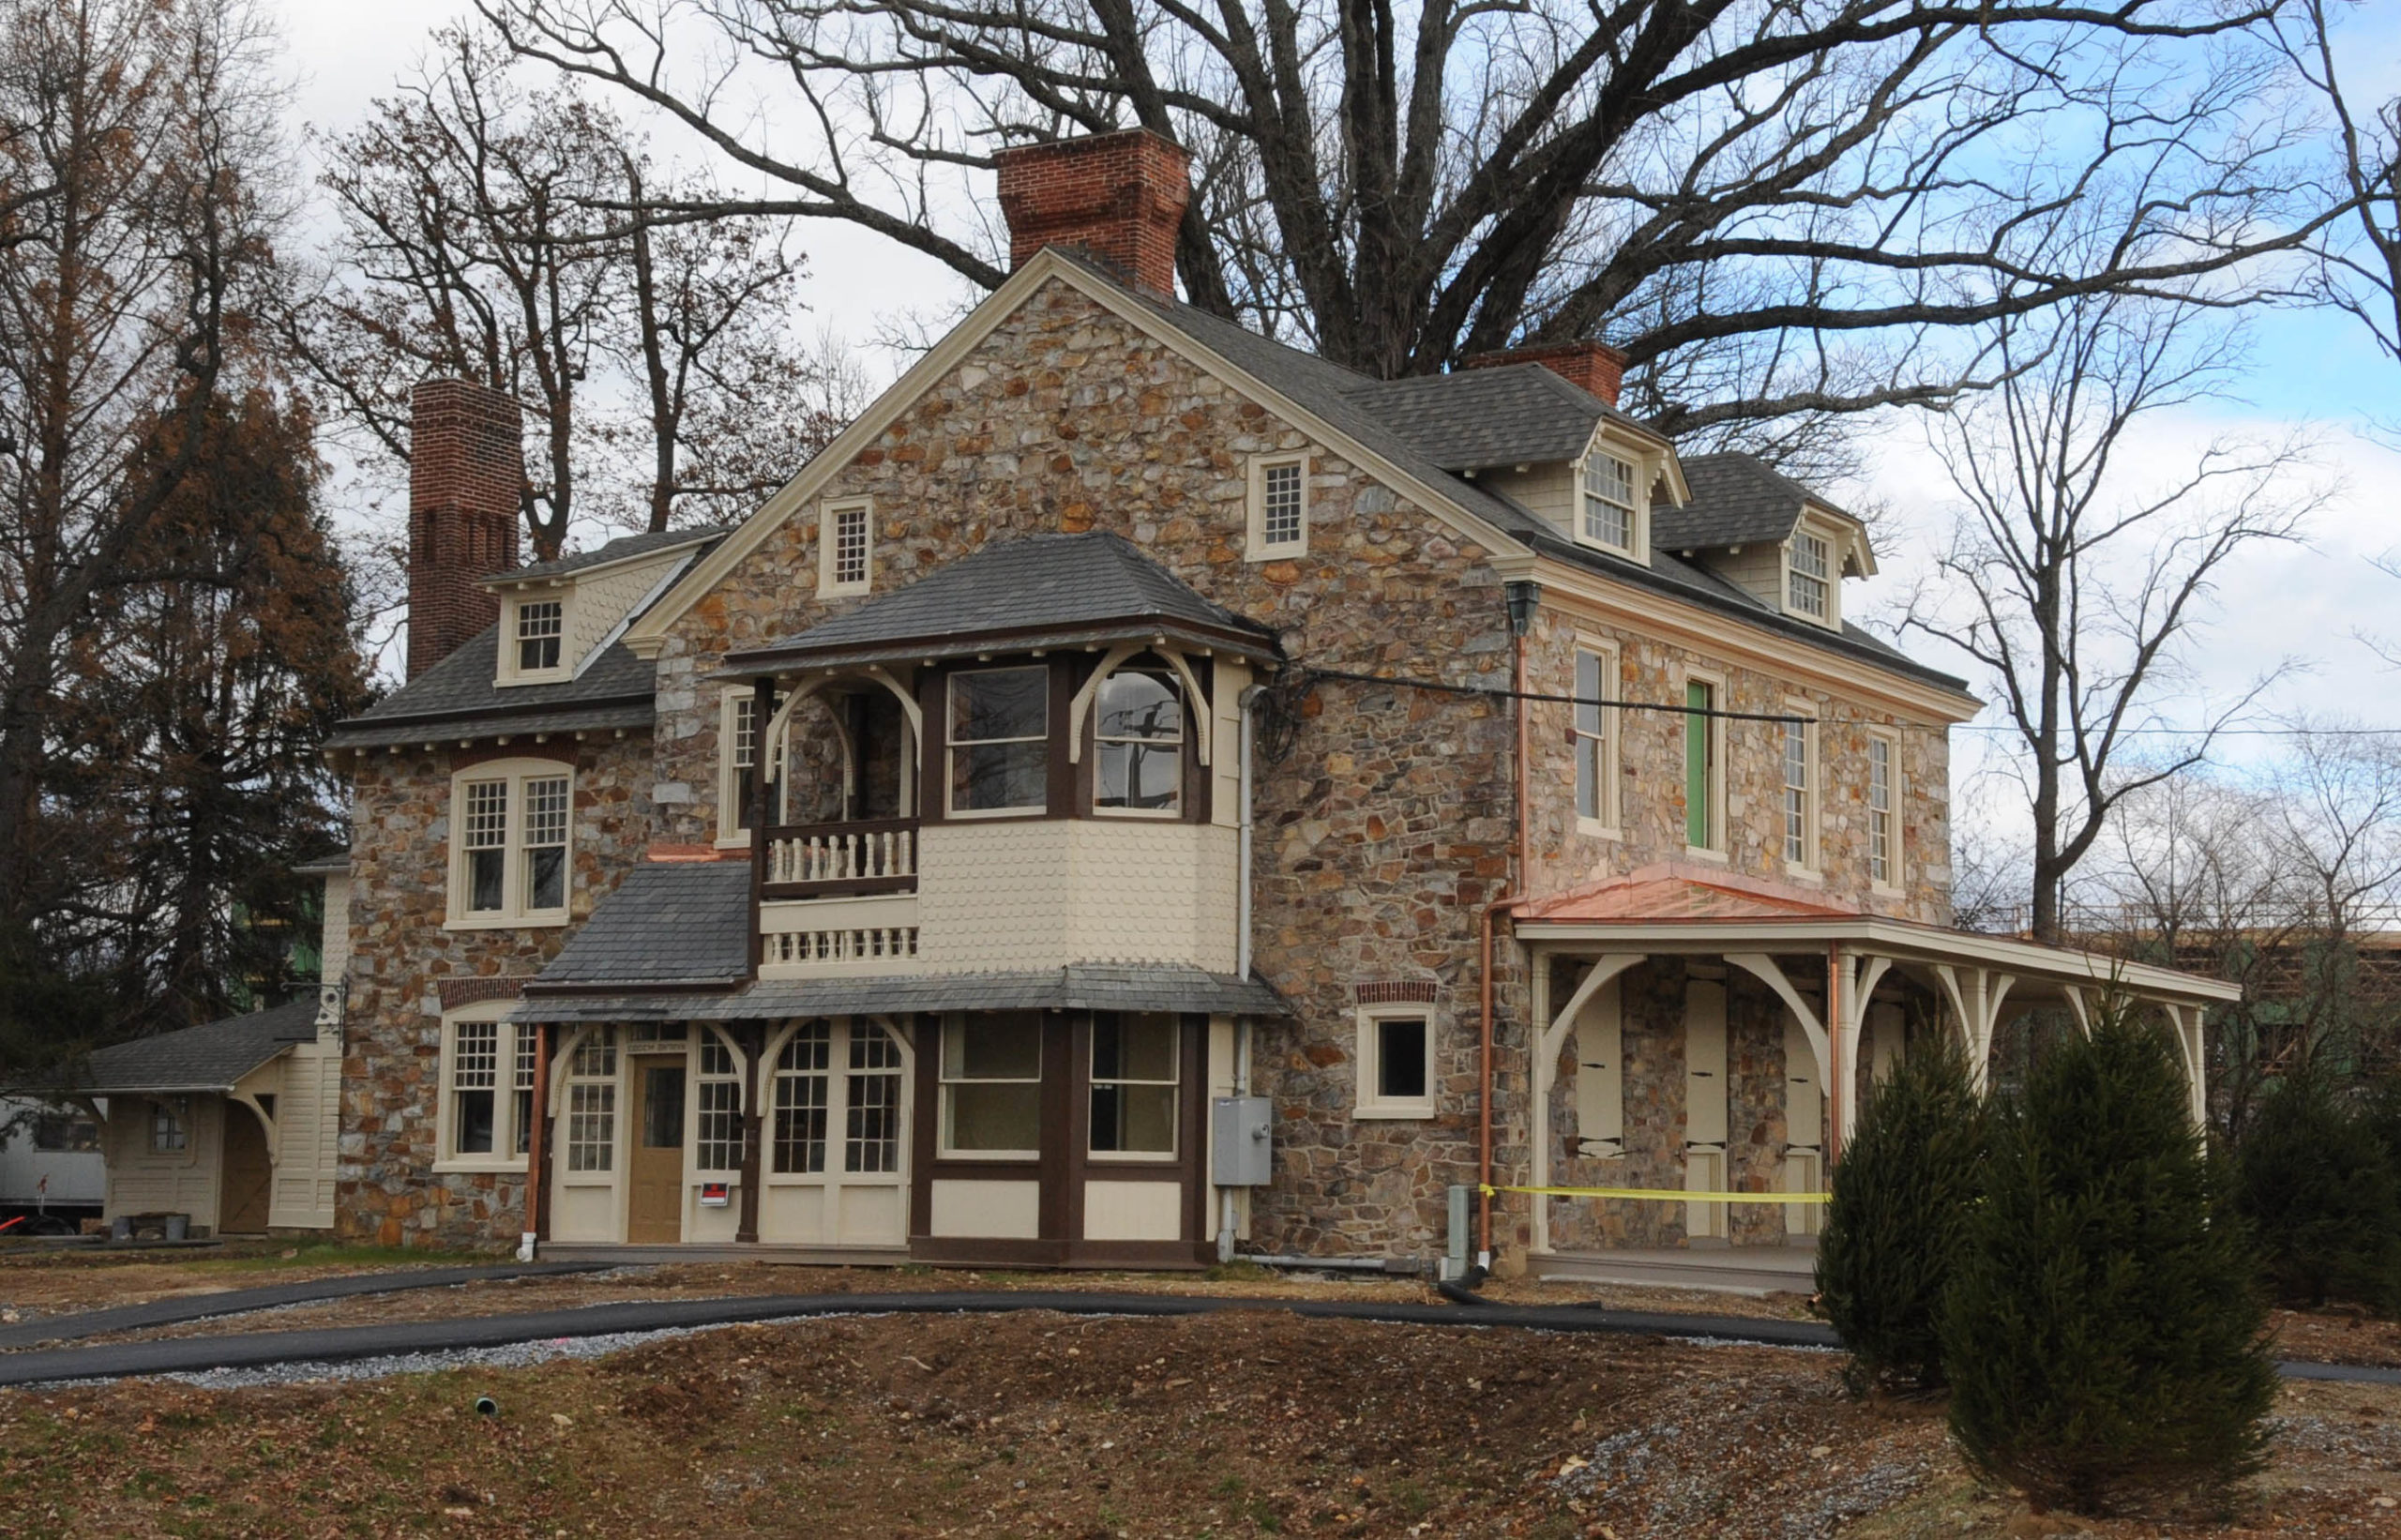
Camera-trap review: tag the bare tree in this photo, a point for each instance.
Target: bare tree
(1779, 211)
(2359, 254)
(140, 179)
(505, 234)
(2074, 578)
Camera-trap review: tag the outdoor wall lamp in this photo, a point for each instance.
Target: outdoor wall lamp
(1521, 596)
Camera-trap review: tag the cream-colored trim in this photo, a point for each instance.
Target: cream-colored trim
(504, 1103)
(1831, 619)
(646, 638)
(730, 834)
(1601, 599)
(1368, 1105)
(1813, 794)
(1255, 545)
(556, 591)
(507, 918)
(1641, 472)
(827, 513)
(503, 582)
(1895, 880)
(1196, 702)
(1606, 821)
(1685, 677)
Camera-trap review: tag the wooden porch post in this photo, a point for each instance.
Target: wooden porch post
(763, 763)
(537, 1141)
(753, 1039)
(1838, 1092)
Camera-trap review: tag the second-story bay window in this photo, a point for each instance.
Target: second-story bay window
(1139, 743)
(999, 740)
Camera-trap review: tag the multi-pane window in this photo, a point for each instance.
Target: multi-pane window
(802, 1083)
(991, 1086)
(1139, 734)
(846, 547)
(1283, 517)
(741, 782)
(168, 1135)
(592, 1104)
(65, 1133)
(1609, 502)
(512, 843)
(529, 1049)
(718, 1105)
(1811, 567)
(1879, 811)
(1796, 793)
(1591, 737)
(475, 1086)
(872, 1132)
(1700, 765)
(999, 740)
(541, 632)
(1134, 1082)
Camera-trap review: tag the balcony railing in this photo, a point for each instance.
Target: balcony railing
(842, 860)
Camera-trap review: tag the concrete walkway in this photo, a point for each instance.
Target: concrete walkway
(178, 1308)
(342, 1344)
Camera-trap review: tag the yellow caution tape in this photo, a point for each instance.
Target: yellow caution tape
(1672, 1195)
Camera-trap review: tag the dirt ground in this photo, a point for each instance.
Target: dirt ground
(1037, 1425)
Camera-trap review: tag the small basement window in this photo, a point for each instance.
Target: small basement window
(1395, 1063)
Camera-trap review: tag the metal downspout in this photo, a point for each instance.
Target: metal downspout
(1485, 1047)
(1244, 703)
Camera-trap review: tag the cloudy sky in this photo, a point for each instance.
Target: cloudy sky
(2306, 606)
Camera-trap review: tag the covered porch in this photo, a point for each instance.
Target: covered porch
(1696, 1032)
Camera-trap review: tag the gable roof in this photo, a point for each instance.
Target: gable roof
(460, 697)
(624, 548)
(1480, 418)
(1047, 590)
(211, 1057)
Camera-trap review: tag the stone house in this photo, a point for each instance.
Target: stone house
(1135, 746)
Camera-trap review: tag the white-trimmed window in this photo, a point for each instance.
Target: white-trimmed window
(1609, 515)
(1809, 576)
(170, 1127)
(846, 549)
(717, 1108)
(511, 821)
(1279, 506)
(1595, 737)
(1800, 743)
(486, 1115)
(1135, 1082)
(804, 1100)
(738, 767)
(871, 1109)
(591, 1103)
(1000, 741)
(541, 636)
(991, 1086)
(1884, 810)
(804, 1081)
(1395, 1062)
(1704, 768)
(1138, 748)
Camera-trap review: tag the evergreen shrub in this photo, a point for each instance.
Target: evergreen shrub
(2103, 1332)
(1902, 1190)
(2321, 1197)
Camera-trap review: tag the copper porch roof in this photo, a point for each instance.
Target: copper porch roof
(1677, 891)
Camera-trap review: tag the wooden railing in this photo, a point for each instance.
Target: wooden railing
(842, 860)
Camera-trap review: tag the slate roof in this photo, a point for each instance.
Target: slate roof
(457, 698)
(1478, 418)
(204, 1058)
(668, 922)
(1044, 589)
(618, 550)
(1078, 987)
(1736, 500)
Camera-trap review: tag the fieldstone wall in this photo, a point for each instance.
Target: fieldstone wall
(401, 955)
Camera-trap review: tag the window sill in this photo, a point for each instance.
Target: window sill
(995, 1157)
(1148, 815)
(1885, 890)
(1803, 871)
(982, 815)
(1163, 1160)
(478, 1164)
(1276, 553)
(845, 590)
(1392, 1111)
(507, 922)
(1705, 853)
(1627, 552)
(1592, 828)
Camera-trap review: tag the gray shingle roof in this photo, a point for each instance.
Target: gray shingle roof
(458, 698)
(1078, 987)
(618, 550)
(668, 922)
(1046, 588)
(1736, 500)
(204, 1058)
(1478, 418)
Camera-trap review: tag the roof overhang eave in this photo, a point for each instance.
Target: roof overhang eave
(1903, 940)
(750, 664)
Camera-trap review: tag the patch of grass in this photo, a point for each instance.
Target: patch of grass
(1237, 1273)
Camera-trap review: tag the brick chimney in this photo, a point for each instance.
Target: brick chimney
(1118, 197)
(1596, 366)
(466, 474)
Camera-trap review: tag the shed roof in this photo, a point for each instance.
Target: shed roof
(210, 1057)
(668, 922)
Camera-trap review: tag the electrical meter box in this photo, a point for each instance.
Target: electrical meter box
(1239, 1128)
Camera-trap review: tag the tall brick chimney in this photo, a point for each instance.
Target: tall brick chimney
(1596, 366)
(466, 474)
(1118, 197)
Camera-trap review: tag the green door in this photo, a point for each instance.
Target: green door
(1698, 740)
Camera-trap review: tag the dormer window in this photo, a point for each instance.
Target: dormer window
(846, 553)
(541, 635)
(1809, 576)
(1610, 510)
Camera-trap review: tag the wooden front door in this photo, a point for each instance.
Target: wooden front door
(655, 1169)
(242, 1202)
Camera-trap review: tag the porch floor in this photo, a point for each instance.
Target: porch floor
(1726, 1270)
(760, 1251)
